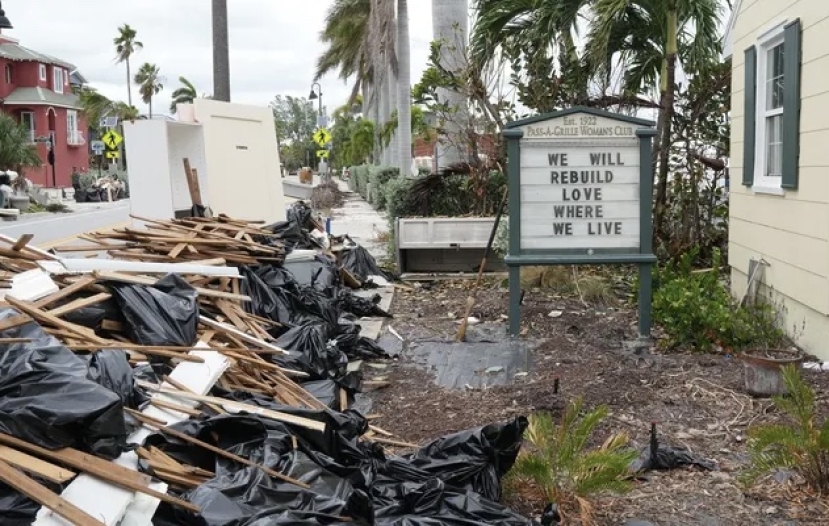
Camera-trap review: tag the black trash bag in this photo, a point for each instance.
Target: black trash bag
(362, 264)
(551, 516)
(357, 347)
(311, 352)
(93, 315)
(111, 368)
(277, 277)
(318, 305)
(166, 313)
(301, 214)
(657, 456)
(17, 509)
(264, 302)
(347, 301)
(328, 391)
(46, 398)
(474, 460)
(435, 503)
(292, 236)
(238, 493)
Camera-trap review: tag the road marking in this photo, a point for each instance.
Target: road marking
(65, 240)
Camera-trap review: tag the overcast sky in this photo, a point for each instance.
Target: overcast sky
(273, 43)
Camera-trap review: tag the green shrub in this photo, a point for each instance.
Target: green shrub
(697, 311)
(561, 464)
(398, 198)
(379, 177)
(360, 176)
(802, 446)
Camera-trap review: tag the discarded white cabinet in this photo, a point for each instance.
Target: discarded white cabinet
(444, 244)
(156, 150)
(233, 149)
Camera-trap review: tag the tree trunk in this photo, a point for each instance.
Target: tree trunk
(221, 52)
(668, 111)
(404, 94)
(150, 104)
(385, 105)
(450, 25)
(394, 149)
(129, 83)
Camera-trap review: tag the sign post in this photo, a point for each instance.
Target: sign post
(98, 148)
(580, 193)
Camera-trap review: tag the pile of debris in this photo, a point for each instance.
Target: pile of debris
(196, 372)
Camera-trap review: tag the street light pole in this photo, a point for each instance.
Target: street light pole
(221, 52)
(317, 94)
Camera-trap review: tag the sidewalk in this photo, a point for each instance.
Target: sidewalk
(361, 222)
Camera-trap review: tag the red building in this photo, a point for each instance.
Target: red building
(38, 90)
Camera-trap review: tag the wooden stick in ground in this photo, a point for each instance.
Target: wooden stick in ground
(45, 497)
(217, 450)
(470, 301)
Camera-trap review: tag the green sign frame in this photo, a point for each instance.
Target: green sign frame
(643, 258)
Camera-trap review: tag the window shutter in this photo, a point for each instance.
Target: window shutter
(791, 103)
(749, 115)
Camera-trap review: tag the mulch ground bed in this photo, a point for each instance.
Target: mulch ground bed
(698, 401)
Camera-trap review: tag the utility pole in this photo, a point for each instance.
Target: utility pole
(221, 52)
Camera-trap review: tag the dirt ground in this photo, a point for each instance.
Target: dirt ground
(697, 401)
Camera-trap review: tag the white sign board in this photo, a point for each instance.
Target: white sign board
(580, 184)
(97, 147)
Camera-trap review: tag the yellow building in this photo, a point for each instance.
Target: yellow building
(779, 195)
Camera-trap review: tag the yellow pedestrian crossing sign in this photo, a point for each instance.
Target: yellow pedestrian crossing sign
(112, 155)
(322, 137)
(112, 139)
(322, 154)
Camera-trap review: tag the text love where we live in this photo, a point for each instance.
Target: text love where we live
(583, 193)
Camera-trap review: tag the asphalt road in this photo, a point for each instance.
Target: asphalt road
(59, 228)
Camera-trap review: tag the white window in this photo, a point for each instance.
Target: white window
(27, 118)
(769, 123)
(73, 136)
(8, 74)
(58, 80)
(43, 72)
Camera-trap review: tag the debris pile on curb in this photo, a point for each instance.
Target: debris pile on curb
(197, 372)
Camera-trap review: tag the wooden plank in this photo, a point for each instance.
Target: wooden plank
(65, 292)
(35, 466)
(22, 241)
(141, 280)
(234, 406)
(192, 183)
(45, 317)
(45, 497)
(79, 304)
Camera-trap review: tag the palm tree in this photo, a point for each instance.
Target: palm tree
(16, 150)
(346, 35)
(652, 37)
(450, 25)
(185, 94)
(404, 93)
(221, 56)
(149, 80)
(537, 35)
(125, 46)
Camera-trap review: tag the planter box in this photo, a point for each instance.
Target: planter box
(297, 190)
(444, 244)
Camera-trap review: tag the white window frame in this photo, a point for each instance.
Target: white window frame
(72, 135)
(43, 72)
(30, 117)
(767, 40)
(8, 74)
(57, 80)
